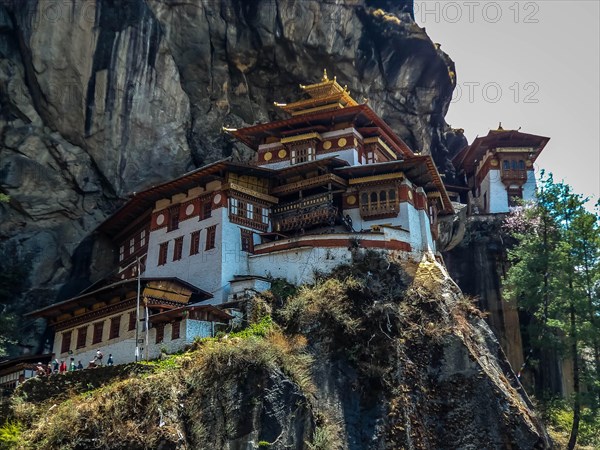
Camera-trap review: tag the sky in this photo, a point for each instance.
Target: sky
(534, 65)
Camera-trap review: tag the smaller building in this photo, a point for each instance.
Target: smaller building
(106, 317)
(499, 169)
(16, 370)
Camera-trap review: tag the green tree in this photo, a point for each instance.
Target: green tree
(554, 277)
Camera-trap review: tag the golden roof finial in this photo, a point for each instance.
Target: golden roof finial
(325, 78)
(500, 127)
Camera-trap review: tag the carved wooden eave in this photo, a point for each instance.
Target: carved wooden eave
(468, 158)
(251, 193)
(380, 144)
(363, 118)
(386, 177)
(117, 297)
(309, 183)
(312, 136)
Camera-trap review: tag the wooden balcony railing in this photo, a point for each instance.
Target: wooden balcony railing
(379, 210)
(316, 210)
(513, 175)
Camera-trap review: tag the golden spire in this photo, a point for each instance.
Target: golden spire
(500, 127)
(324, 95)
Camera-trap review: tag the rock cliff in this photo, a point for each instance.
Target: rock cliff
(102, 98)
(379, 355)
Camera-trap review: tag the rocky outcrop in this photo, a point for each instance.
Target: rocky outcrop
(103, 98)
(484, 246)
(380, 355)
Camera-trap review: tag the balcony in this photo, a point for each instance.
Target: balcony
(519, 176)
(380, 210)
(301, 214)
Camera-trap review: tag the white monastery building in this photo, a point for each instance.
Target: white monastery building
(330, 178)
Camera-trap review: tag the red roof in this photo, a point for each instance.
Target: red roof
(143, 202)
(420, 169)
(361, 115)
(471, 154)
(108, 291)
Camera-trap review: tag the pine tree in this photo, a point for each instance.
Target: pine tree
(554, 277)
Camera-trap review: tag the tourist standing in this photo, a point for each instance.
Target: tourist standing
(63, 367)
(110, 361)
(98, 357)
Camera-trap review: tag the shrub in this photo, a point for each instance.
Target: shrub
(10, 434)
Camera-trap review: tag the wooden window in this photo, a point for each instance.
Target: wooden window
(521, 164)
(175, 330)
(131, 246)
(302, 153)
(211, 235)
(121, 253)
(178, 250)
(98, 330)
(143, 238)
(195, 243)
(115, 325)
(506, 165)
(248, 214)
(379, 201)
(162, 253)
(206, 209)
(132, 320)
(81, 336)
(65, 344)
(160, 332)
(264, 215)
(247, 241)
(173, 218)
(233, 206)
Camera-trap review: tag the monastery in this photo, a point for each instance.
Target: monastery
(330, 178)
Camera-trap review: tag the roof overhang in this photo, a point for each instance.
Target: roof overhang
(419, 169)
(142, 203)
(106, 293)
(177, 313)
(361, 115)
(468, 157)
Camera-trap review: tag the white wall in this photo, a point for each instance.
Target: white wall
(529, 187)
(497, 191)
(204, 269)
(298, 265)
(123, 347)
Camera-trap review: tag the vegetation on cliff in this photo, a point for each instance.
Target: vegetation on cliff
(555, 277)
(380, 354)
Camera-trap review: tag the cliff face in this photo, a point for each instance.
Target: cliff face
(102, 98)
(484, 247)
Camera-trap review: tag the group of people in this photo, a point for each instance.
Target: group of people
(61, 366)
